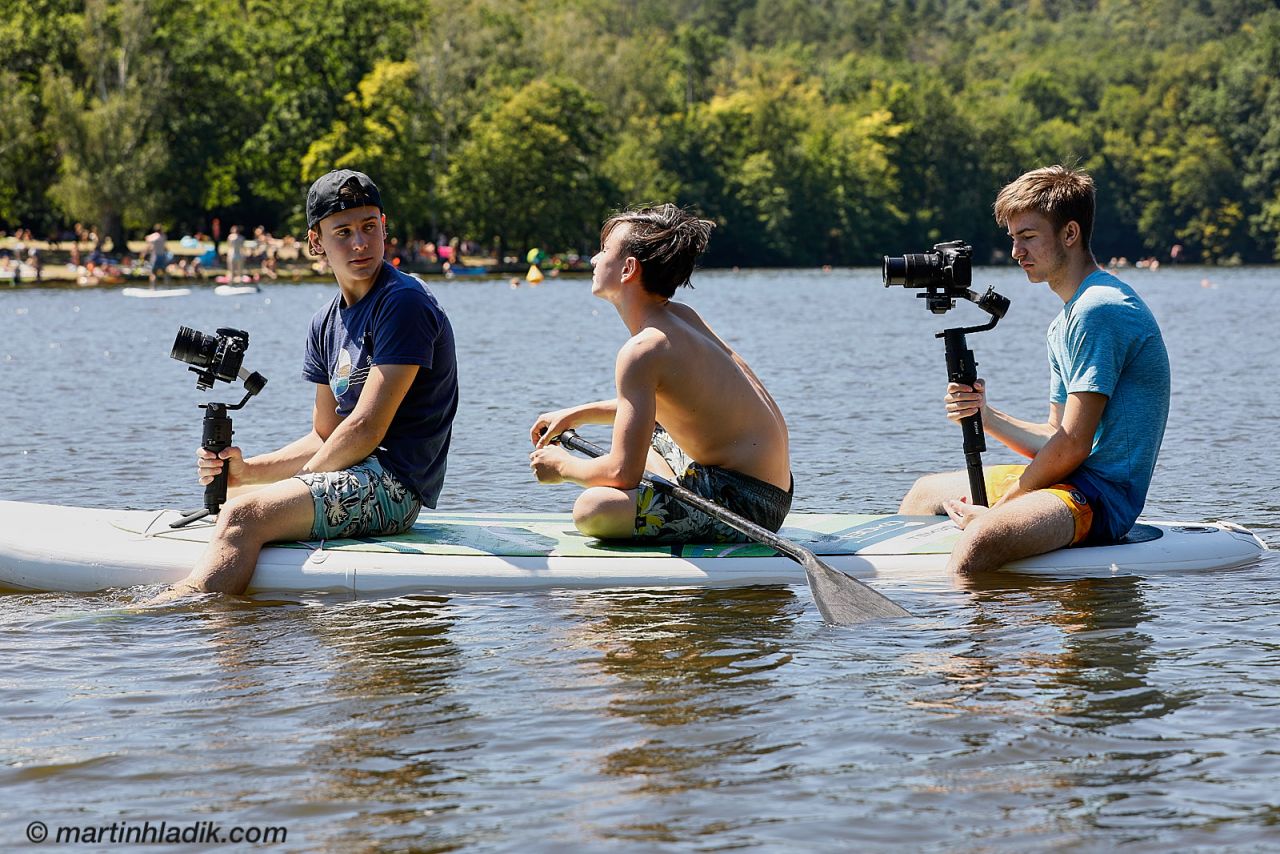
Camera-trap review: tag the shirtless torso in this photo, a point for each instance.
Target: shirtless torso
(710, 400)
(675, 372)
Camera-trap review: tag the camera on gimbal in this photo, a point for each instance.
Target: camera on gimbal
(945, 275)
(215, 357)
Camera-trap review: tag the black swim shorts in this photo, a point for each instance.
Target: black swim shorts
(661, 518)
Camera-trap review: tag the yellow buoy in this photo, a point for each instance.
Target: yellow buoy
(534, 276)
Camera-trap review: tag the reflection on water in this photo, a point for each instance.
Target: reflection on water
(685, 656)
(1097, 675)
(1010, 714)
(394, 724)
(681, 658)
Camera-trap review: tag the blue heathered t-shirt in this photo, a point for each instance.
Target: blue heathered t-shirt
(398, 322)
(1106, 340)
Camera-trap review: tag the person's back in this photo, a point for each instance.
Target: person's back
(156, 244)
(714, 406)
(1106, 340)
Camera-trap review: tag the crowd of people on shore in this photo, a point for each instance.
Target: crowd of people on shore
(83, 255)
(89, 259)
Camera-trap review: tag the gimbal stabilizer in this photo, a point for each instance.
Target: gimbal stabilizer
(215, 357)
(945, 274)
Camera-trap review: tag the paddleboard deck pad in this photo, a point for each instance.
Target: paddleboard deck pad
(53, 548)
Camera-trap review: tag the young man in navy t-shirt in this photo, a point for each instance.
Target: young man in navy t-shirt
(1092, 459)
(382, 358)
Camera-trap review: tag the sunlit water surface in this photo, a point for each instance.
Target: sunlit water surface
(1009, 714)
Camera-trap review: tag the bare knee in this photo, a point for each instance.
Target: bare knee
(922, 499)
(605, 513)
(977, 550)
(1031, 525)
(912, 504)
(240, 520)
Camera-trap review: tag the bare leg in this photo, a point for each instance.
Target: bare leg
(1030, 525)
(281, 511)
(605, 512)
(927, 494)
(608, 513)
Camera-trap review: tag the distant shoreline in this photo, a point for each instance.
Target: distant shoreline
(292, 265)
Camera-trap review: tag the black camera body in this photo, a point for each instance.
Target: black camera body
(944, 273)
(213, 357)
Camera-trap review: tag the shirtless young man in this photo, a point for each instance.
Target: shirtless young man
(1091, 460)
(688, 407)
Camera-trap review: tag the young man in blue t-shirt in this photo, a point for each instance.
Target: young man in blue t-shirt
(382, 357)
(1092, 460)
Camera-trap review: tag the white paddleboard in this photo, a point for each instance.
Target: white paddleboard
(53, 548)
(155, 293)
(235, 290)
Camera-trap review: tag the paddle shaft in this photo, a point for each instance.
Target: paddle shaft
(840, 599)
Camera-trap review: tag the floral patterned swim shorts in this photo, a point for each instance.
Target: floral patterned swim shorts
(661, 518)
(365, 500)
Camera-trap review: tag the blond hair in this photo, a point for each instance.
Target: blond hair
(1060, 193)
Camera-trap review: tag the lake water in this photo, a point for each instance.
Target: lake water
(1007, 715)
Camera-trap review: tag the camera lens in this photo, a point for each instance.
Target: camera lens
(913, 270)
(194, 348)
(894, 271)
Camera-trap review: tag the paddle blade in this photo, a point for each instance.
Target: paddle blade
(844, 601)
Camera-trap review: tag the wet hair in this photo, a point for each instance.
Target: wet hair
(1060, 193)
(666, 240)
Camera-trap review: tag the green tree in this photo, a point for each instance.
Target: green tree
(34, 35)
(390, 135)
(809, 131)
(111, 151)
(17, 154)
(940, 160)
(528, 172)
(789, 176)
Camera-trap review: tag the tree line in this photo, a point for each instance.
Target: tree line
(811, 131)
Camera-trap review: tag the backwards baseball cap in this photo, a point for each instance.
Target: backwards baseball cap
(324, 198)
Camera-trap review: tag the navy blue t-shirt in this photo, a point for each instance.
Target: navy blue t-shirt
(398, 322)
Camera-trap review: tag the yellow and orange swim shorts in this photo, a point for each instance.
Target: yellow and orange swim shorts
(1000, 479)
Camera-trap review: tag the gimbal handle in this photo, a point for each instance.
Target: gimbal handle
(217, 438)
(963, 368)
